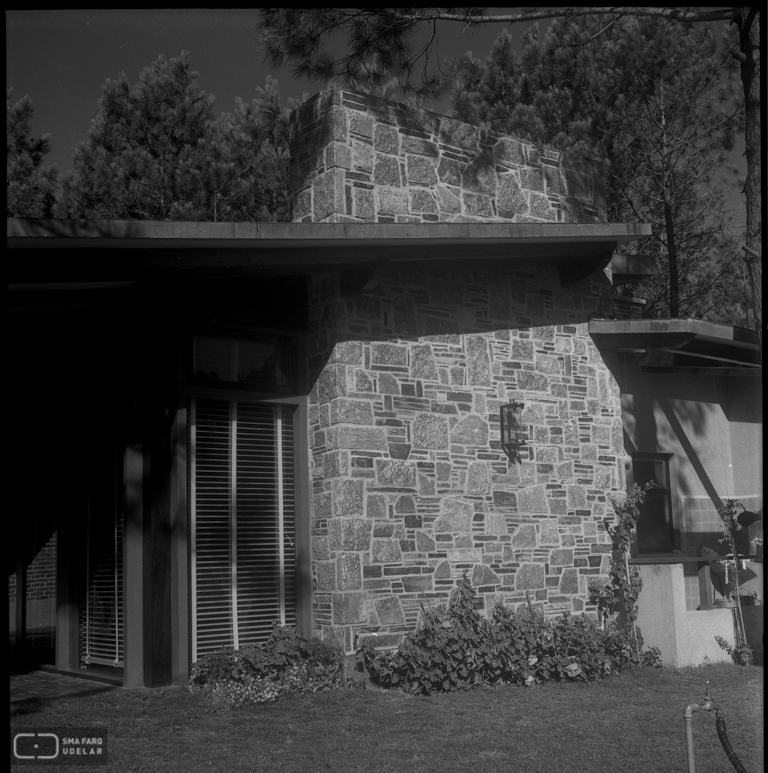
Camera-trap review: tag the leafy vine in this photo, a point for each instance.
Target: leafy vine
(623, 589)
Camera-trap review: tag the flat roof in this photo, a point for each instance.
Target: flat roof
(678, 343)
(24, 233)
(119, 249)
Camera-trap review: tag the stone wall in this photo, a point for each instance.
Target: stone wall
(358, 158)
(410, 486)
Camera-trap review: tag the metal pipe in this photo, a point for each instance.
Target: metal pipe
(690, 710)
(708, 705)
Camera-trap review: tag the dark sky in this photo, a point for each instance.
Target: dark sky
(62, 58)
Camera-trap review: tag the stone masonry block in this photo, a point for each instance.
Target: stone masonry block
(478, 360)
(532, 179)
(455, 516)
(524, 537)
(530, 577)
(429, 431)
(337, 154)
(386, 551)
(362, 157)
(478, 479)
(356, 437)
(361, 124)
(561, 557)
(507, 149)
(325, 579)
(349, 608)
(348, 497)
(389, 611)
(422, 201)
(328, 194)
(348, 411)
(385, 139)
(389, 354)
(331, 382)
(349, 352)
(386, 171)
(472, 430)
(393, 201)
(449, 171)
(477, 204)
(532, 499)
(420, 170)
(422, 362)
(417, 583)
(418, 145)
(479, 176)
(349, 573)
(364, 204)
(447, 201)
(459, 134)
(352, 534)
(395, 473)
(484, 575)
(509, 196)
(375, 506)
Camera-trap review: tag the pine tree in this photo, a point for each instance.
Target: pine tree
(30, 186)
(650, 100)
(156, 151)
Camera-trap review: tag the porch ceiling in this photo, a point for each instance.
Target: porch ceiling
(130, 250)
(675, 344)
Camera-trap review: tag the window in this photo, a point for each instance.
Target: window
(655, 526)
(243, 522)
(256, 364)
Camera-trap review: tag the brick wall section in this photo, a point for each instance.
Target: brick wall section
(41, 574)
(410, 487)
(357, 158)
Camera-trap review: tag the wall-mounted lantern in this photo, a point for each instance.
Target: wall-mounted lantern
(511, 430)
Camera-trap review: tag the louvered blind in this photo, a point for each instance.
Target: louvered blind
(102, 626)
(243, 557)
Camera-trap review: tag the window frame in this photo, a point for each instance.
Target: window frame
(668, 460)
(294, 394)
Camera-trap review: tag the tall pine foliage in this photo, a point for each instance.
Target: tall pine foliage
(30, 186)
(157, 151)
(654, 102)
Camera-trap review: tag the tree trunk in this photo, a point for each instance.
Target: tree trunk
(674, 293)
(748, 22)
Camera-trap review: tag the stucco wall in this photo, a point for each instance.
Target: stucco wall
(712, 425)
(685, 638)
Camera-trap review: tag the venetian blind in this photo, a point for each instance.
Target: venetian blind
(243, 536)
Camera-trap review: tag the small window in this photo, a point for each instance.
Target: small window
(257, 364)
(655, 529)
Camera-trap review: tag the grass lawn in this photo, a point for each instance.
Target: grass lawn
(631, 722)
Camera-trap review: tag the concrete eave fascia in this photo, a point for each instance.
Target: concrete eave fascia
(678, 342)
(118, 249)
(142, 234)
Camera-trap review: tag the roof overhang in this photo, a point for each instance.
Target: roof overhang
(114, 250)
(692, 345)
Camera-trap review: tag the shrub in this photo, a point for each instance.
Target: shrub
(457, 648)
(256, 673)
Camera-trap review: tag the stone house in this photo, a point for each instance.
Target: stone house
(300, 422)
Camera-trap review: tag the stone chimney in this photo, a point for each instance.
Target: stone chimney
(357, 158)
